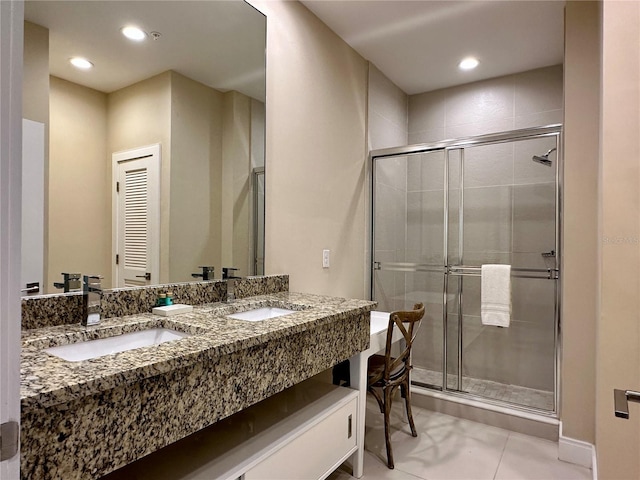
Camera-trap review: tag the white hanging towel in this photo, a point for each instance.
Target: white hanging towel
(496, 295)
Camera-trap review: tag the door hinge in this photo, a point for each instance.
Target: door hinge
(9, 440)
(117, 259)
(117, 187)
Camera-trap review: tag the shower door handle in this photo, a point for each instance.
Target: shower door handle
(621, 399)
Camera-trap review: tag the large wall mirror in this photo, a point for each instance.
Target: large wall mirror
(153, 157)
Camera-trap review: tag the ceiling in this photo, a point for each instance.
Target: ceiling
(218, 43)
(418, 44)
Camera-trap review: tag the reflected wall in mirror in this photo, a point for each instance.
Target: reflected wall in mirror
(195, 86)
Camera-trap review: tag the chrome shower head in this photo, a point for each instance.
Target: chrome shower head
(543, 159)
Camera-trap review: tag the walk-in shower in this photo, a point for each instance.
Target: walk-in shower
(439, 212)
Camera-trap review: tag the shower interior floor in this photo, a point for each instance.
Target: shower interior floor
(515, 394)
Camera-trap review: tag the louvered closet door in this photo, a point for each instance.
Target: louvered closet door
(137, 217)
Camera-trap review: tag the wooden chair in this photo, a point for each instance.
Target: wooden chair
(386, 373)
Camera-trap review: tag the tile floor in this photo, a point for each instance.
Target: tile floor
(453, 448)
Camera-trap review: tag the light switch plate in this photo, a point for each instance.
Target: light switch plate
(325, 258)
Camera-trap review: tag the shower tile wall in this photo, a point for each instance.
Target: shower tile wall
(508, 218)
(388, 112)
(522, 100)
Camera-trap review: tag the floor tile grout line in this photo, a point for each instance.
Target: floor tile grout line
(379, 470)
(502, 455)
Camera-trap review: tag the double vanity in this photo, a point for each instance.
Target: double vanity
(86, 418)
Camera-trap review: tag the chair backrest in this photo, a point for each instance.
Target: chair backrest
(407, 322)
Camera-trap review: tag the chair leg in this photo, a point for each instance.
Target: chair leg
(407, 398)
(387, 434)
(376, 395)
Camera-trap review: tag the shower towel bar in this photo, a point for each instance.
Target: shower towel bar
(550, 273)
(408, 267)
(471, 271)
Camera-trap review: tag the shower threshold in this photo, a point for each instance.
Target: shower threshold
(514, 394)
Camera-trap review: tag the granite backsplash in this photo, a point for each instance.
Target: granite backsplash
(61, 309)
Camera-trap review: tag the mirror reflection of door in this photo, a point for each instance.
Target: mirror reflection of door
(136, 216)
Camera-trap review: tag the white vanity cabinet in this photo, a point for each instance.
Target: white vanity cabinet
(315, 448)
(303, 433)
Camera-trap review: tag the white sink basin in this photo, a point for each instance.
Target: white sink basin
(74, 352)
(260, 314)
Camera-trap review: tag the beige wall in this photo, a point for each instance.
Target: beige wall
(316, 153)
(35, 84)
(580, 220)
(257, 133)
(236, 175)
(196, 171)
(79, 183)
(618, 334)
(139, 115)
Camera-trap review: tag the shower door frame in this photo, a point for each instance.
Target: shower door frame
(447, 146)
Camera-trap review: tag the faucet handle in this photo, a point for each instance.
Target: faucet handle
(71, 282)
(92, 282)
(227, 273)
(207, 272)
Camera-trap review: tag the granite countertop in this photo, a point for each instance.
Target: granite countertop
(47, 380)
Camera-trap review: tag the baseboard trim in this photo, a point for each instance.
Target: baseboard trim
(576, 451)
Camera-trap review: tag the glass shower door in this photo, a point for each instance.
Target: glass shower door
(408, 253)
(506, 214)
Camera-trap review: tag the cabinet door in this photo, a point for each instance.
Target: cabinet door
(312, 454)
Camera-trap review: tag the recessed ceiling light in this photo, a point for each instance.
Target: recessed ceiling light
(468, 63)
(133, 33)
(81, 63)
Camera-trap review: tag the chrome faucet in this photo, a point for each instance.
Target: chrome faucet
(227, 274)
(91, 297)
(231, 290)
(207, 273)
(70, 282)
